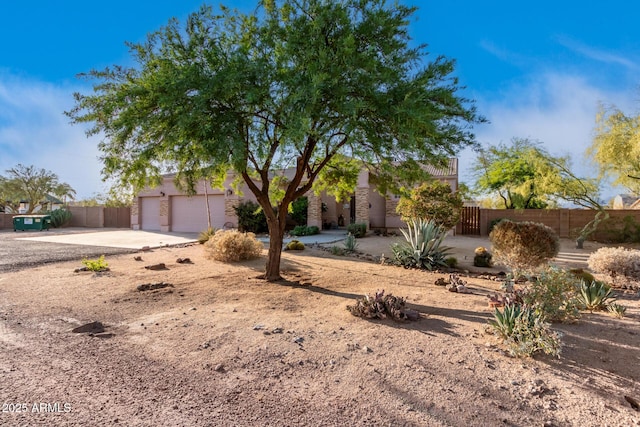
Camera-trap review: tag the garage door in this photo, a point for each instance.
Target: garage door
(189, 214)
(150, 213)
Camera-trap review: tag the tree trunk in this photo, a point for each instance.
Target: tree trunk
(276, 235)
(590, 227)
(206, 200)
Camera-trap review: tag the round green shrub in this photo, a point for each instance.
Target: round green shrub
(452, 262)
(294, 245)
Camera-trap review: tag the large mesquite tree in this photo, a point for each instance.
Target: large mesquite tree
(302, 84)
(32, 185)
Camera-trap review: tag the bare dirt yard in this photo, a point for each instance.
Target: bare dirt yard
(218, 347)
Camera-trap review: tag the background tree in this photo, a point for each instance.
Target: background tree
(27, 183)
(525, 171)
(294, 84)
(432, 200)
(511, 172)
(616, 147)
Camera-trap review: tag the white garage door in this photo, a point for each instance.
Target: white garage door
(189, 214)
(150, 213)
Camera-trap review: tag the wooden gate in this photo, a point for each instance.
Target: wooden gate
(117, 217)
(470, 221)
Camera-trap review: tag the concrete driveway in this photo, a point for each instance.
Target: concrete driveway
(20, 250)
(121, 238)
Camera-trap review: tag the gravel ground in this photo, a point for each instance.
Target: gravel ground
(18, 254)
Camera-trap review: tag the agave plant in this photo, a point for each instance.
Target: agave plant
(524, 331)
(505, 321)
(595, 296)
(350, 243)
(423, 247)
(617, 310)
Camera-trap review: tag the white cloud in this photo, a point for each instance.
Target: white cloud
(34, 131)
(503, 54)
(558, 110)
(597, 54)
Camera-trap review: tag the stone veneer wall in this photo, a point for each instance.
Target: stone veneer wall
(164, 214)
(362, 205)
(135, 214)
(314, 210)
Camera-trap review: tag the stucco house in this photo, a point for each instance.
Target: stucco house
(625, 201)
(165, 208)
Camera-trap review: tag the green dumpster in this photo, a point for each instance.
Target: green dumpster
(31, 222)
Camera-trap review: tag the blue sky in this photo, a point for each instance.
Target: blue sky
(536, 70)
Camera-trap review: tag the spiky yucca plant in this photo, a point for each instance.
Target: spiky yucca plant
(617, 310)
(524, 331)
(595, 296)
(423, 247)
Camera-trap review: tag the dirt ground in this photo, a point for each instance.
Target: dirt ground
(219, 347)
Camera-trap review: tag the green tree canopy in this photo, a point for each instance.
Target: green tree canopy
(616, 147)
(510, 172)
(32, 185)
(292, 85)
(432, 200)
(525, 175)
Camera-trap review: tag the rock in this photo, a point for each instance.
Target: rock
(258, 327)
(105, 335)
(412, 314)
(298, 340)
(367, 349)
(153, 286)
(277, 331)
(452, 288)
(184, 261)
(159, 266)
(137, 258)
(145, 248)
(463, 289)
(93, 327)
(633, 402)
(78, 270)
(219, 368)
(441, 281)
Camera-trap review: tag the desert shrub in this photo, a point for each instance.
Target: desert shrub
(303, 230)
(60, 217)
(482, 257)
(96, 265)
(452, 262)
(582, 274)
(423, 247)
(337, 250)
(616, 262)
(380, 306)
(251, 218)
(298, 211)
(358, 230)
(620, 230)
(350, 243)
(233, 245)
(553, 294)
(432, 201)
(493, 223)
(205, 235)
(294, 245)
(595, 296)
(524, 331)
(523, 246)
